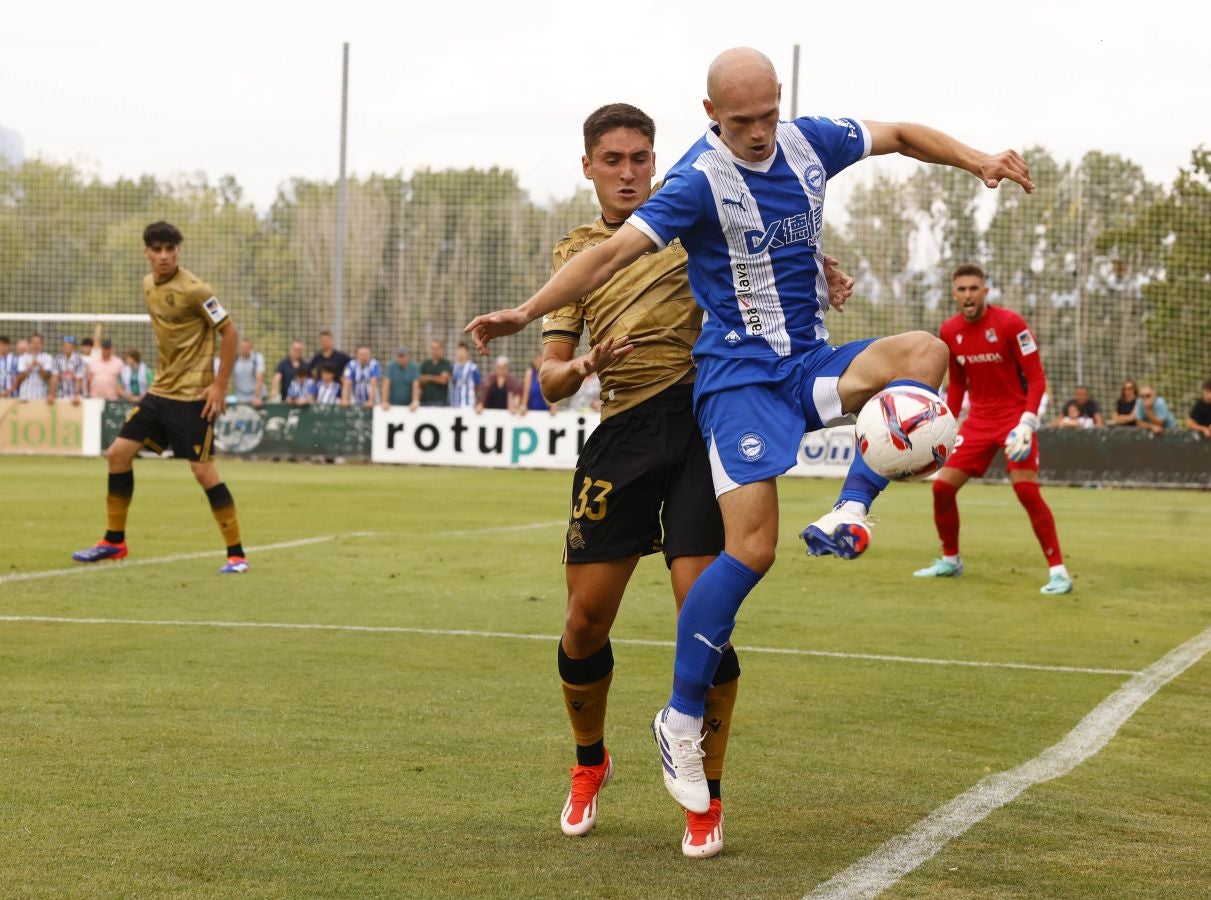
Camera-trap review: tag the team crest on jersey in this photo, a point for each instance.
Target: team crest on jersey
(1026, 342)
(575, 538)
(814, 178)
(732, 338)
(751, 446)
(170, 299)
(958, 338)
(991, 335)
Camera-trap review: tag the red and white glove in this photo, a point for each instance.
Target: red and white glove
(1017, 445)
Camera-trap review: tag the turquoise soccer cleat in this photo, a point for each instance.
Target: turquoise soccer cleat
(1058, 584)
(940, 568)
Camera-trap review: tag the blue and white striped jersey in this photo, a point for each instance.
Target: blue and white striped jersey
(752, 231)
(70, 370)
(361, 376)
(327, 393)
(8, 373)
(34, 387)
(464, 384)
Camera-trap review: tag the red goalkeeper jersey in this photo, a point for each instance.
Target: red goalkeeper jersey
(996, 361)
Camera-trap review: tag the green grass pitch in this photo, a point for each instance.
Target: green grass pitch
(180, 760)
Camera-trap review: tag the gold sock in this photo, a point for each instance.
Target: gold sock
(586, 706)
(720, 701)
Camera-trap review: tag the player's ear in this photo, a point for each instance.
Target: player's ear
(710, 109)
(586, 166)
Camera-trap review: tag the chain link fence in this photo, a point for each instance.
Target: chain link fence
(1112, 271)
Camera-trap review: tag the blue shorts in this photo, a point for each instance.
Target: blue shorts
(753, 430)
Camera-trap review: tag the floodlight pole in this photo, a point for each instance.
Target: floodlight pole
(795, 85)
(342, 203)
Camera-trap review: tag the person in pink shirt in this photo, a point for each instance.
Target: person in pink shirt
(104, 373)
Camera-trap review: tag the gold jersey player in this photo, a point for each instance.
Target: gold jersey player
(643, 481)
(179, 409)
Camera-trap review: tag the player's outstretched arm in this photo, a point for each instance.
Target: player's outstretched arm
(583, 274)
(932, 146)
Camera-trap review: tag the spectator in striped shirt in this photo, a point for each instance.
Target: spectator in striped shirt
(68, 373)
(359, 384)
(300, 391)
(328, 390)
(136, 376)
(464, 378)
(34, 370)
(8, 367)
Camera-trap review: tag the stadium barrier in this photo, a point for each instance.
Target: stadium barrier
(496, 439)
(59, 429)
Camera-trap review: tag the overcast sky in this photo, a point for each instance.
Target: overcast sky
(253, 89)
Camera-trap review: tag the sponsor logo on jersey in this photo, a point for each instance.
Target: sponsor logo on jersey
(993, 357)
(728, 201)
(814, 178)
(732, 338)
(751, 446)
(803, 227)
(215, 310)
(850, 126)
(1026, 342)
(958, 338)
(990, 335)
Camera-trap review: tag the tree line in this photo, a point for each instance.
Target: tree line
(1112, 271)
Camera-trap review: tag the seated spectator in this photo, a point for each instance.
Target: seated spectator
(1088, 406)
(248, 375)
(328, 355)
(327, 389)
(136, 376)
(1071, 417)
(1124, 407)
(68, 373)
(1152, 412)
(401, 385)
(284, 374)
(500, 390)
(104, 374)
(531, 390)
(1199, 420)
(359, 382)
(300, 390)
(464, 378)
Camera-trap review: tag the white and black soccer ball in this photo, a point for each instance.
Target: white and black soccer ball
(905, 433)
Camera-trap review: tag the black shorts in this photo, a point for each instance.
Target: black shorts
(640, 470)
(160, 423)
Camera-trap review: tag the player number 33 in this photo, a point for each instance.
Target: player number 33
(592, 507)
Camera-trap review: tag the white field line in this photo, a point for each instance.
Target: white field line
(873, 874)
(508, 635)
(94, 568)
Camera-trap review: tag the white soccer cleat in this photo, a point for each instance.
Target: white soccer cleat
(579, 814)
(839, 533)
(681, 760)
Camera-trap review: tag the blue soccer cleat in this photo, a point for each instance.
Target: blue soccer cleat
(99, 551)
(839, 533)
(235, 565)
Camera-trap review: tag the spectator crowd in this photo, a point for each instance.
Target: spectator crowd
(332, 377)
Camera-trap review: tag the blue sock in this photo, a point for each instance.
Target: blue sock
(709, 612)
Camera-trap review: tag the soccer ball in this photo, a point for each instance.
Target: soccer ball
(905, 433)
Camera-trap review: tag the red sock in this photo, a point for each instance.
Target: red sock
(1041, 520)
(946, 516)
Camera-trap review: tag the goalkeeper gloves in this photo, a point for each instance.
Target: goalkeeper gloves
(1017, 445)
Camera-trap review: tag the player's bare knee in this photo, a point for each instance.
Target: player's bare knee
(584, 628)
(925, 358)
